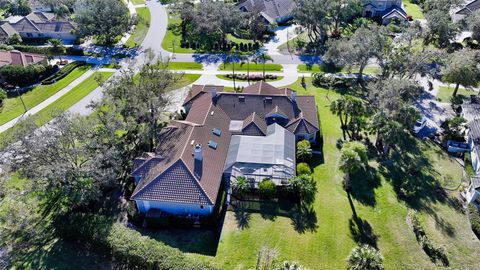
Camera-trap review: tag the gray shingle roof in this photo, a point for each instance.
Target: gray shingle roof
(271, 10)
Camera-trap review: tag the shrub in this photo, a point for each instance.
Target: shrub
(129, 248)
(303, 168)
(134, 215)
(365, 257)
(267, 187)
(22, 76)
(63, 72)
(3, 96)
(474, 219)
(304, 186)
(48, 50)
(304, 150)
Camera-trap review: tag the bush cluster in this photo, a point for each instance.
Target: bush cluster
(252, 77)
(129, 248)
(48, 50)
(267, 188)
(474, 219)
(226, 46)
(434, 252)
(22, 76)
(322, 80)
(63, 72)
(303, 168)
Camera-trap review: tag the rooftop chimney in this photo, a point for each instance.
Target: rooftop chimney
(198, 160)
(294, 96)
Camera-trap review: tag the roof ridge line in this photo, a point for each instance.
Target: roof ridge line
(196, 180)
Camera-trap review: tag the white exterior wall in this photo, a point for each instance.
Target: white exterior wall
(475, 160)
(174, 208)
(472, 195)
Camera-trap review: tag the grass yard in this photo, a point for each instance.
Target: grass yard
(172, 37)
(141, 28)
(70, 98)
(322, 237)
(413, 10)
(224, 77)
(253, 67)
(185, 65)
(445, 93)
(303, 68)
(186, 80)
(13, 106)
(239, 40)
(138, 2)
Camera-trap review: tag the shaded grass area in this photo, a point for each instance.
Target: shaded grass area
(413, 10)
(375, 214)
(172, 39)
(224, 77)
(13, 106)
(253, 67)
(70, 98)
(185, 65)
(141, 28)
(320, 68)
(445, 93)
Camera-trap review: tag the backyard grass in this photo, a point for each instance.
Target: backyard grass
(224, 77)
(141, 28)
(138, 2)
(321, 238)
(70, 98)
(303, 68)
(413, 10)
(445, 93)
(185, 65)
(253, 67)
(13, 106)
(172, 37)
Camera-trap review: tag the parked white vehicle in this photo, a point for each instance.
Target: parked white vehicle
(420, 124)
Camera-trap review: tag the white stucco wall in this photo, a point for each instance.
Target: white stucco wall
(174, 208)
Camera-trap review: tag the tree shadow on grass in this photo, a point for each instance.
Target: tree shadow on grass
(443, 225)
(242, 217)
(304, 218)
(360, 229)
(363, 185)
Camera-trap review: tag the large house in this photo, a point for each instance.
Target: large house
(272, 11)
(385, 10)
(37, 25)
(225, 135)
(464, 10)
(23, 59)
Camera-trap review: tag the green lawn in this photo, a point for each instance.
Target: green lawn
(141, 28)
(138, 2)
(185, 65)
(13, 106)
(172, 37)
(239, 40)
(318, 68)
(413, 10)
(253, 67)
(186, 79)
(70, 98)
(325, 241)
(445, 93)
(224, 77)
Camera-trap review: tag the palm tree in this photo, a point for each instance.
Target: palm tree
(365, 257)
(232, 57)
(245, 59)
(263, 58)
(240, 185)
(304, 150)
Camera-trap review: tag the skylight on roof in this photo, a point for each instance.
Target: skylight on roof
(217, 131)
(212, 144)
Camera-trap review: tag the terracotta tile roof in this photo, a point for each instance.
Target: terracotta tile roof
(18, 58)
(172, 174)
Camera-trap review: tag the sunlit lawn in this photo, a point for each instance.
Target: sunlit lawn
(141, 28)
(172, 39)
(253, 67)
(185, 65)
(413, 10)
(13, 106)
(445, 93)
(318, 68)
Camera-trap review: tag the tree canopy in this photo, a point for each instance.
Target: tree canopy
(462, 68)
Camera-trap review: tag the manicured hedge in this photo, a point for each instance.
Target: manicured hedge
(47, 50)
(474, 219)
(63, 72)
(129, 248)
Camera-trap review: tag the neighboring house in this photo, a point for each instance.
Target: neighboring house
(472, 194)
(18, 58)
(473, 139)
(460, 13)
(38, 25)
(386, 10)
(224, 135)
(272, 11)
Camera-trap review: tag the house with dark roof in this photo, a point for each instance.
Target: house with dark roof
(465, 9)
(385, 10)
(225, 135)
(272, 11)
(38, 25)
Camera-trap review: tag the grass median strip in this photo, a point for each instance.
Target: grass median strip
(13, 106)
(224, 77)
(253, 67)
(70, 98)
(303, 68)
(185, 66)
(141, 29)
